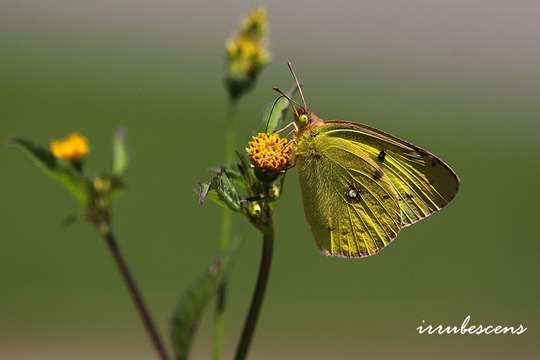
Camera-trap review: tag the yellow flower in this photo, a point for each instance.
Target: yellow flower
(269, 152)
(246, 53)
(72, 148)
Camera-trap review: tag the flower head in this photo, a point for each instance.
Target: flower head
(269, 152)
(73, 148)
(246, 53)
(245, 56)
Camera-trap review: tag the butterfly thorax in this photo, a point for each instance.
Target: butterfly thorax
(307, 138)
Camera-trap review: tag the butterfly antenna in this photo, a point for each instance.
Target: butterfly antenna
(286, 96)
(291, 69)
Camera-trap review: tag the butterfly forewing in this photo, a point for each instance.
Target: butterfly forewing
(350, 204)
(424, 183)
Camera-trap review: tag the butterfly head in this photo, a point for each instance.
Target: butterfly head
(301, 116)
(304, 118)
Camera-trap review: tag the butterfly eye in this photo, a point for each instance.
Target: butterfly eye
(303, 118)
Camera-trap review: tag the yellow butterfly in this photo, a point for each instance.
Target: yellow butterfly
(361, 186)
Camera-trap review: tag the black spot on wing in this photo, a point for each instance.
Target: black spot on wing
(381, 156)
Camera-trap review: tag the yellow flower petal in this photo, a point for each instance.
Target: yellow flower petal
(72, 148)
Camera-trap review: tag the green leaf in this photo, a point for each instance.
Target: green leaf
(56, 169)
(247, 173)
(277, 111)
(220, 190)
(190, 307)
(120, 155)
(232, 173)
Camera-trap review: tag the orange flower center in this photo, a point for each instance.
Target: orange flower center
(269, 152)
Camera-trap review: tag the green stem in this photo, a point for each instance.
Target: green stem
(258, 295)
(230, 132)
(225, 240)
(134, 292)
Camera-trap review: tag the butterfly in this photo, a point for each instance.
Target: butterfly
(360, 186)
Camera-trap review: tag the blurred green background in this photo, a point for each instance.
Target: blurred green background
(460, 78)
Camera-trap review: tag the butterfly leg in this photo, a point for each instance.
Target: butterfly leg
(286, 127)
(293, 141)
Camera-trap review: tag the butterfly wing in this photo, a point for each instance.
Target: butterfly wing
(350, 204)
(424, 183)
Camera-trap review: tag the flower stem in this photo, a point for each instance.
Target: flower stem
(134, 292)
(230, 131)
(225, 240)
(258, 295)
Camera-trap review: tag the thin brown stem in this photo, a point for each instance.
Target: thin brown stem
(135, 295)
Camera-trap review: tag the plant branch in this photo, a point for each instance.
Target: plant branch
(134, 292)
(258, 296)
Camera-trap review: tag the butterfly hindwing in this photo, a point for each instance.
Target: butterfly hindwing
(424, 183)
(350, 204)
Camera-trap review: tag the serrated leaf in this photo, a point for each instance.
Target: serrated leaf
(220, 190)
(120, 155)
(277, 111)
(190, 307)
(234, 175)
(55, 169)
